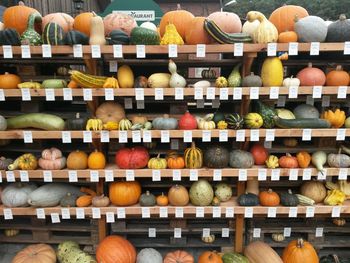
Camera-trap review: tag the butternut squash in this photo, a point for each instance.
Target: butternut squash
(97, 31)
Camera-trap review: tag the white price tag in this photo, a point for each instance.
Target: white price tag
(95, 51)
(310, 211)
(24, 176)
(275, 174)
(121, 213)
(7, 51)
(104, 136)
(206, 135)
(28, 136)
(262, 174)
(293, 212)
(271, 49)
(66, 137)
(193, 175)
(287, 231)
(307, 134)
(293, 92)
(117, 51)
(179, 212)
(172, 50)
(46, 51)
(315, 48)
(87, 136)
(293, 174)
(270, 135)
(26, 51)
(347, 48)
(8, 214)
(163, 212)
(230, 212)
(199, 212)
(206, 232)
(109, 94)
(87, 94)
(80, 213)
(94, 176)
(342, 92)
(152, 232)
(238, 49)
(293, 49)
(110, 218)
(271, 212)
(128, 103)
(136, 136)
(307, 174)
(113, 66)
(341, 134)
(225, 232)
(319, 232)
(78, 51)
(326, 101)
(310, 100)
(140, 51)
(147, 136)
(322, 175)
(179, 93)
(223, 135)
(2, 95)
(40, 213)
(67, 94)
(109, 175)
(165, 136)
(216, 212)
(210, 94)
(254, 135)
(139, 94)
(50, 94)
(26, 94)
(96, 213)
(65, 213)
(187, 136)
(176, 175)
(274, 93)
(156, 175)
(55, 218)
(72, 176)
(47, 175)
(336, 211)
(130, 175)
(10, 177)
(240, 135)
(248, 212)
(281, 102)
(317, 92)
(237, 93)
(217, 175)
(159, 94)
(254, 93)
(256, 232)
(200, 51)
(242, 175)
(177, 232)
(123, 136)
(223, 93)
(198, 93)
(343, 174)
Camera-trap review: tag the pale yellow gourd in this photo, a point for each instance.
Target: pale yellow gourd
(2, 26)
(171, 36)
(266, 32)
(97, 31)
(272, 72)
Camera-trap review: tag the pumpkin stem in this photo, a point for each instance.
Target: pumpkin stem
(178, 7)
(158, 155)
(288, 154)
(300, 243)
(148, 192)
(296, 18)
(336, 259)
(309, 65)
(342, 17)
(193, 145)
(339, 68)
(77, 115)
(290, 191)
(21, 3)
(270, 191)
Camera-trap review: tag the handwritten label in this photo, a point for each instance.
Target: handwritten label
(172, 50)
(163, 212)
(307, 174)
(275, 175)
(237, 93)
(117, 51)
(110, 218)
(96, 213)
(293, 92)
(2, 95)
(341, 134)
(67, 94)
(216, 212)
(140, 51)
(109, 175)
(319, 232)
(199, 212)
(254, 93)
(271, 212)
(152, 232)
(270, 135)
(165, 136)
(223, 135)
(230, 212)
(240, 135)
(7, 51)
(200, 51)
(159, 94)
(210, 94)
(66, 137)
(317, 92)
(254, 135)
(307, 134)
(343, 174)
(176, 175)
(293, 212)
(50, 94)
(10, 177)
(315, 48)
(310, 211)
(179, 212)
(187, 136)
(72, 176)
(104, 136)
(139, 94)
(26, 51)
(193, 175)
(256, 232)
(198, 93)
(80, 213)
(55, 218)
(206, 232)
(287, 231)
(46, 51)
(23, 175)
(293, 175)
(217, 175)
(225, 232)
(87, 94)
(109, 94)
(336, 211)
(293, 48)
(94, 176)
(65, 213)
(238, 49)
(123, 136)
(242, 175)
(136, 136)
(78, 51)
(206, 135)
(342, 91)
(130, 175)
(274, 93)
(28, 136)
(156, 175)
(8, 214)
(47, 175)
(271, 49)
(223, 93)
(147, 136)
(87, 136)
(179, 93)
(346, 48)
(40, 213)
(177, 232)
(262, 174)
(248, 212)
(26, 94)
(121, 213)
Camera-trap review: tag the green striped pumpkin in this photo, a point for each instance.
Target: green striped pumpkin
(10, 37)
(234, 121)
(53, 34)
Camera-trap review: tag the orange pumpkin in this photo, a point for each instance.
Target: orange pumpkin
(162, 200)
(269, 198)
(84, 201)
(73, 85)
(62, 19)
(124, 193)
(299, 250)
(39, 253)
(337, 77)
(77, 160)
(227, 21)
(304, 159)
(209, 257)
(311, 76)
(82, 22)
(96, 160)
(115, 249)
(119, 21)
(195, 32)
(288, 161)
(176, 162)
(180, 18)
(283, 17)
(9, 81)
(287, 37)
(178, 195)
(260, 154)
(17, 17)
(178, 256)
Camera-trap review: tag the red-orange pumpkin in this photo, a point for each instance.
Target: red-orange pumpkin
(288, 161)
(178, 256)
(82, 22)
(299, 250)
(337, 77)
(260, 154)
(119, 21)
(195, 32)
(115, 249)
(227, 21)
(62, 19)
(311, 76)
(283, 17)
(187, 122)
(132, 158)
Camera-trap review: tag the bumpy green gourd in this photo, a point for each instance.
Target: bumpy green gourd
(30, 36)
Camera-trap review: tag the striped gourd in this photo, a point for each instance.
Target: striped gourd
(53, 34)
(234, 121)
(304, 200)
(193, 157)
(87, 81)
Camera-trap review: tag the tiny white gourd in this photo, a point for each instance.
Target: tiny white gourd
(176, 80)
(291, 82)
(149, 25)
(202, 84)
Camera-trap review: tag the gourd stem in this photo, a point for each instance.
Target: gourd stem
(300, 243)
(342, 17)
(77, 115)
(336, 259)
(339, 68)
(147, 192)
(270, 191)
(158, 155)
(290, 191)
(193, 145)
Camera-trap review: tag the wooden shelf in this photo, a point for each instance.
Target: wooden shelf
(170, 92)
(189, 210)
(168, 173)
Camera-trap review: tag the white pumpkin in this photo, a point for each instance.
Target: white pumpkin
(206, 125)
(149, 255)
(16, 194)
(291, 82)
(149, 25)
(250, 27)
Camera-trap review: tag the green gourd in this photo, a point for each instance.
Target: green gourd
(339, 31)
(164, 123)
(144, 36)
(147, 199)
(223, 191)
(118, 37)
(248, 199)
(53, 34)
(68, 200)
(75, 37)
(241, 159)
(76, 124)
(30, 36)
(234, 121)
(289, 199)
(201, 193)
(218, 116)
(42, 121)
(216, 156)
(252, 80)
(9, 36)
(267, 113)
(235, 79)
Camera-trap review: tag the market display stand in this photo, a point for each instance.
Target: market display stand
(100, 178)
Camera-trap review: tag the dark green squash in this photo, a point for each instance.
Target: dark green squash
(147, 199)
(289, 199)
(339, 31)
(76, 124)
(241, 159)
(30, 36)
(10, 37)
(267, 113)
(53, 34)
(252, 80)
(75, 37)
(118, 37)
(333, 259)
(218, 116)
(69, 200)
(248, 199)
(144, 36)
(216, 156)
(234, 121)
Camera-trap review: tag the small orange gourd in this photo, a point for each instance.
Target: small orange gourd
(304, 159)
(287, 37)
(96, 160)
(288, 161)
(337, 77)
(269, 198)
(162, 200)
(176, 162)
(84, 201)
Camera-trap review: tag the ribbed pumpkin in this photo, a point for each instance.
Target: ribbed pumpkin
(124, 193)
(339, 31)
(178, 256)
(115, 249)
(269, 198)
(287, 37)
(9, 81)
(64, 20)
(299, 250)
(187, 122)
(119, 21)
(178, 195)
(77, 160)
(227, 21)
(337, 77)
(82, 22)
(266, 32)
(216, 157)
(96, 160)
(39, 253)
(311, 76)
(195, 32)
(132, 158)
(258, 252)
(193, 157)
(283, 17)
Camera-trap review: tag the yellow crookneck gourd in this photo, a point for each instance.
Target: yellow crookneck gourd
(176, 80)
(111, 83)
(171, 36)
(97, 31)
(266, 32)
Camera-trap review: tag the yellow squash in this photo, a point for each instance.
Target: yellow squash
(111, 83)
(272, 72)
(336, 118)
(125, 77)
(94, 125)
(334, 197)
(159, 80)
(272, 162)
(266, 32)
(157, 163)
(171, 36)
(111, 125)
